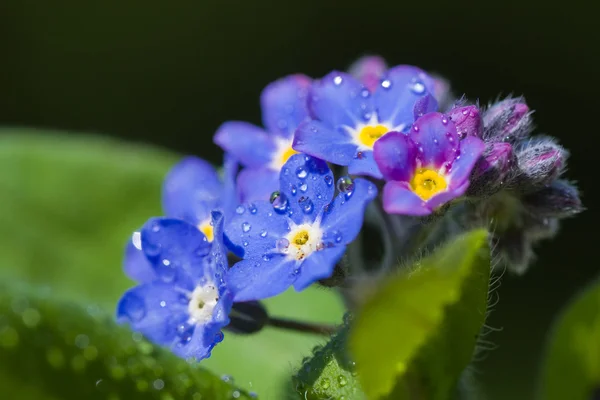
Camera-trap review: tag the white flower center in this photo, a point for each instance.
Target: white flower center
(202, 303)
(364, 135)
(282, 153)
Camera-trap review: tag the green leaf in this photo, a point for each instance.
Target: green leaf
(571, 368)
(416, 335)
(330, 373)
(57, 349)
(70, 202)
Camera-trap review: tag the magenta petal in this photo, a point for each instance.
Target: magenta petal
(436, 140)
(468, 121)
(444, 197)
(471, 149)
(399, 199)
(395, 154)
(284, 104)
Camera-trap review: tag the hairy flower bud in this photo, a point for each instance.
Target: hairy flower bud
(560, 199)
(540, 162)
(492, 170)
(508, 120)
(467, 120)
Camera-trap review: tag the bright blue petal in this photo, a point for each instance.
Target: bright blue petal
(436, 139)
(284, 104)
(364, 164)
(258, 278)
(255, 228)
(395, 154)
(174, 247)
(331, 144)
(251, 145)
(231, 197)
(339, 99)
(398, 93)
(216, 265)
(135, 264)
(399, 199)
(257, 184)
(471, 149)
(308, 184)
(153, 309)
(424, 105)
(318, 265)
(342, 220)
(191, 189)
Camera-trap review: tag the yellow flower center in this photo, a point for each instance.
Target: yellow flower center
(286, 154)
(207, 229)
(426, 183)
(301, 238)
(369, 134)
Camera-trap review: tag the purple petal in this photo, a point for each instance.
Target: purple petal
(174, 248)
(254, 229)
(399, 199)
(339, 99)
(368, 70)
(364, 164)
(471, 149)
(251, 145)
(398, 92)
(446, 196)
(135, 264)
(154, 309)
(308, 184)
(436, 140)
(284, 104)
(395, 154)
(318, 140)
(191, 189)
(258, 278)
(342, 220)
(467, 120)
(257, 184)
(424, 105)
(318, 265)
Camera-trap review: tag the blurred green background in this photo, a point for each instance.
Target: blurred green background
(168, 73)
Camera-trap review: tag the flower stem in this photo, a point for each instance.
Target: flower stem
(300, 326)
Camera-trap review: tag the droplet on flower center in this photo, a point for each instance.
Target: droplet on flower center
(369, 134)
(207, 229)
(286, 154)
(426, 183)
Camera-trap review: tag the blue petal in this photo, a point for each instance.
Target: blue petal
(136, 265)
(397, 94)
(436, 139)
(257, 184)
(255, 228)
(318, 265)
(231, 197)
(153, 309)
(251, 145)
(342, 220)
(308, 184)
(174, 248)
(364, 164)
(471, 149)
(395, 154)
(258, 278)
(399, 199)
(217, 264)
(318, 140)
(284, 104)
(339, 99)
(191, 189)
(424, 105)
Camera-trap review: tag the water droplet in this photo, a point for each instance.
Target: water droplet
(227, 378)
(82, 341)
(279, 202)
(252, 208)
(266, 257)
(338, 80)
(365, 93)
(417, 87)
(163, 303)
(342, 381)
(282, 245)
(134, 308)
(236, 394)
(158, 384)
(263, 233)
(435, 141)
(245, 243)
(303, 188)
(306, 204)
(345, 185)
(240, 210)
(420, 149)
(386, 84)
(338, 237)
(416, 128)
(301, 172)
(325, 383)
(246, 227)
(328, 180)
(293, 190)
(444, 120)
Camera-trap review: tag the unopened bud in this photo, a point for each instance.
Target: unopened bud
(540, 162)
(368, 70)
(492, 170)
(560, 199)
(467, 120)
(507, 120)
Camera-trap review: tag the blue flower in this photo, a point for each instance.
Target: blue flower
(299, 237)
(263, 152)
(184, 302)
(191, 191)
(348, 118)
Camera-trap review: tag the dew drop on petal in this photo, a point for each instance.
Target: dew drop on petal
(338, 80)
(279, 202)
(263, 233)
(386, 84)
(301, 172)
(417, 87)
(134, 308)
(282, 245)
(240, 210)
(328, 180)
(303, 187)
(252, 208)
(306, 204)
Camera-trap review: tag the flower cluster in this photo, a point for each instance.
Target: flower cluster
(399, 143)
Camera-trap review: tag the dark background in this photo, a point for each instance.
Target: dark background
(169, 73)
